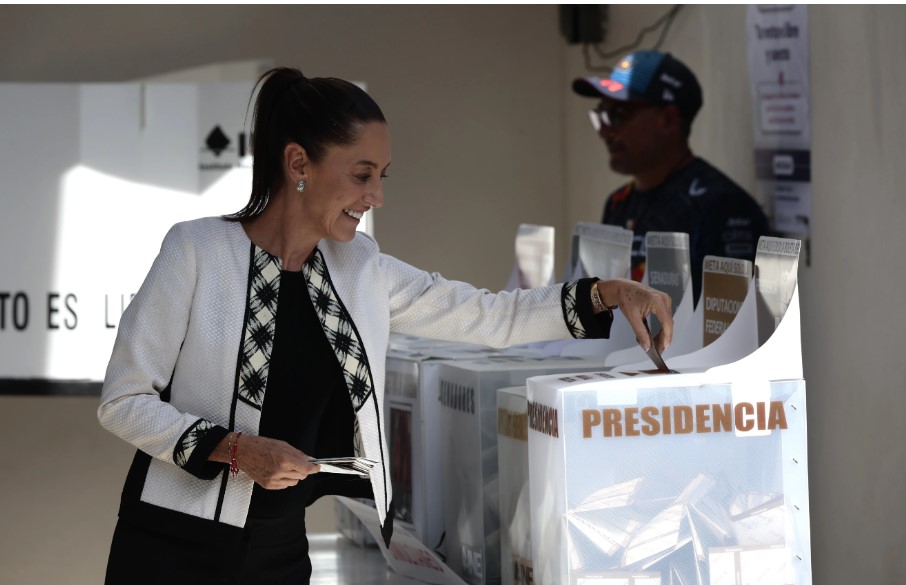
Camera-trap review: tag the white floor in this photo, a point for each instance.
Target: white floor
(337, 561)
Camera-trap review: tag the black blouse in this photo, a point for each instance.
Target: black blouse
(306, 403)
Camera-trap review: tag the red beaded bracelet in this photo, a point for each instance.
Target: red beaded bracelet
(234, 455)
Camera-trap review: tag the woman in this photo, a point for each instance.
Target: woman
(258, 341)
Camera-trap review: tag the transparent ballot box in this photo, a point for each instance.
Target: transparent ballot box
(468, 398)
(665, 479)
(412, 421)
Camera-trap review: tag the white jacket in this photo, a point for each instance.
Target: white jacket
(195, 319)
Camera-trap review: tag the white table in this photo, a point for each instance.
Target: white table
(337, 561)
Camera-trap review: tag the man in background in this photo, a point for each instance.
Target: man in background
(644, 116)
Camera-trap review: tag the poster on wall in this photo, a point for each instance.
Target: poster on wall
(95, 174)
(778, 75)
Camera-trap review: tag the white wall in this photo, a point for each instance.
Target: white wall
(487, 135)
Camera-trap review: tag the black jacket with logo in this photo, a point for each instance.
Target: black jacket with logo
(719, 216)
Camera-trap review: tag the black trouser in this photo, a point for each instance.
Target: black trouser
(271, 552)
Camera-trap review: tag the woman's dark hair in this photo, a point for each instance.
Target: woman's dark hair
(315, 113)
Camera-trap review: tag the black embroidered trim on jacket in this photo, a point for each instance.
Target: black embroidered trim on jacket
(579, 314)
(189, 439)
(340, 330)
(571, 311)
(261, 322)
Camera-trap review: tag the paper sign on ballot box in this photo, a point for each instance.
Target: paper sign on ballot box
(406, 554)
(513, 484)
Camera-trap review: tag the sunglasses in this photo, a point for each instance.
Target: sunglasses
(616, 116)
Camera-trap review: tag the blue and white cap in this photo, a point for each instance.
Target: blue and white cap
(648, 76)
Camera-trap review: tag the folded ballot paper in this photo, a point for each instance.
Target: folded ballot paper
(348, 465)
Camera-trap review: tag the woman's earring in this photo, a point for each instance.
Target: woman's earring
(300, 187)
